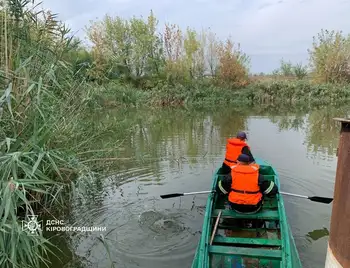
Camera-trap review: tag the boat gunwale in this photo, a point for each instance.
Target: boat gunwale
(204, 240)
(286, 249)
(287, 230)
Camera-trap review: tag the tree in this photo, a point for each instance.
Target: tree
(127, 48)
(330, 57)
(233, 66)
(212, 53)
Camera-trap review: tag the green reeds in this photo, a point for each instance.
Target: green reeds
(41, 106)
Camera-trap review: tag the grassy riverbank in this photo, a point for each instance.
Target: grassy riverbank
(51, 86)
(276, 93)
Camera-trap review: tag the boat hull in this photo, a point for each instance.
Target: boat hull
(263, 239)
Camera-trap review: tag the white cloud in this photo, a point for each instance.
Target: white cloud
(267, 29)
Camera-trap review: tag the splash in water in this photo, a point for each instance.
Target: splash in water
(160, 223)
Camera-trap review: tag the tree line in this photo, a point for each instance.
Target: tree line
(133, 50)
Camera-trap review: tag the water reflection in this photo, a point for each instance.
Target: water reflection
(177, 150)
(173, 133)
(296, 122)
(322, 132)
(317, 234)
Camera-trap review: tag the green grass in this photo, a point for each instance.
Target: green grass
(198, 95)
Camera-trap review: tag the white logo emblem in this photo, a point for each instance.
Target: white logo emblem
(32, 225)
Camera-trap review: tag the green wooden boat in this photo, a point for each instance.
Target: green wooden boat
(269, 244)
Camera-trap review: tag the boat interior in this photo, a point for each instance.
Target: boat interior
(247, 240)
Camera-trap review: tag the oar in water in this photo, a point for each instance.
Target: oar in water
(319, 199)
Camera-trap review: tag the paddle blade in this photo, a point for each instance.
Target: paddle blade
(171, 195)
(320, 199)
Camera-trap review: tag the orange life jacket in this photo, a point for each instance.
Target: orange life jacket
(244, 187)
(234, 148)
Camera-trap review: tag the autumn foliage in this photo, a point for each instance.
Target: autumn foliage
(330, 57)
(135, 51)
(233, 66)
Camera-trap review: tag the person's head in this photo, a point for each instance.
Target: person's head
(243, 159)
(241, 135)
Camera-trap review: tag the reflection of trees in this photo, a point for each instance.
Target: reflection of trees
(295, 122)
(229, 122)
(178, 134)
(322, 132)
(284, 116)
(182, 135)
(168, 134)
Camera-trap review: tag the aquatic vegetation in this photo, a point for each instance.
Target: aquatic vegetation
(40, 105)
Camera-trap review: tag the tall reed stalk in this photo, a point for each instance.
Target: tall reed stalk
(41, 105)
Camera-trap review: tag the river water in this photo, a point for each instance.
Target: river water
(177, 150)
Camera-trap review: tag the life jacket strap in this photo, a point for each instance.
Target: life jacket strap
(230, 161)
(244, 192)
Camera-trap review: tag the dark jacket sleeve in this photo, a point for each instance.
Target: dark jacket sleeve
(268, 188)
(224, 185)
(246, 151)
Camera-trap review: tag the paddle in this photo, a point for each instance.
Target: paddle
(319, 199)
(182, 194)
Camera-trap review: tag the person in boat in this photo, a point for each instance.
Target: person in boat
(235, 147)
(245, 186)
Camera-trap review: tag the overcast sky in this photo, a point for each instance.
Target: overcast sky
(267, 29)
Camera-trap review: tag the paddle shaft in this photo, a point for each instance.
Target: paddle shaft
(206, 192)
(165, 196)
(297, 195)
(201, 192)
(319, 199)
(285, 193)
